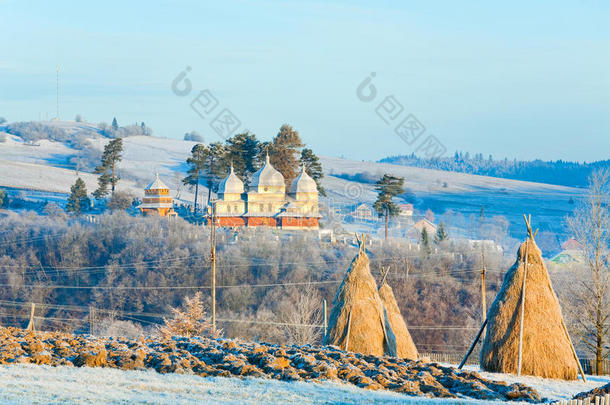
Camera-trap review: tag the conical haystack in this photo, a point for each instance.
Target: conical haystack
(405, 348)
(547, 350)
(357, 322)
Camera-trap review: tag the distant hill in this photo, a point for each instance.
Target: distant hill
(559, 172)
(32, 164)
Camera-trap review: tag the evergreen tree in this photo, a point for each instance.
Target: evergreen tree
(115, 125)
(425, 241)
(197, 164)
(107, 170)
(78, 200)
(388, 187)
(216, 167)
(284, 153)
(313, 168)
(441, 233)
(242, 152)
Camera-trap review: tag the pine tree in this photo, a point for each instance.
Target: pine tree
(425, 241)
(115, 125)
(242, 152)
(284, 153)
(197, 164)
(313, 167)
(78, 200)
(441, 234)
(107, 170)
(216, 167)
(388, 187)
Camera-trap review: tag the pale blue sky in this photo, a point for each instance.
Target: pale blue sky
(514, 79)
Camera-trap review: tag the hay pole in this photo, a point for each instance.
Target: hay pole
(349, 326)
(476, 340)
(582, 373)
(522, 315)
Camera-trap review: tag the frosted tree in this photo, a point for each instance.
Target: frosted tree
(590, 225)
(188, 320)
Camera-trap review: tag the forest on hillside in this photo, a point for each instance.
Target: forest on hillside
(559, 172)
(131, 271)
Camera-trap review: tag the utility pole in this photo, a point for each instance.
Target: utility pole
(213, 260)
(483, 297)
(91, 319)
(325, 319)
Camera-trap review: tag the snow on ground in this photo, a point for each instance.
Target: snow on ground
(44, 384)
(31, 176)
(546, 387)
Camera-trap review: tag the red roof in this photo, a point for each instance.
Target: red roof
(571, 244)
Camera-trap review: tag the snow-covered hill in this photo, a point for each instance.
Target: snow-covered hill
(46, 166)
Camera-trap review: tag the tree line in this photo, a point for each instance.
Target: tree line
(209, 164)
(560, 172)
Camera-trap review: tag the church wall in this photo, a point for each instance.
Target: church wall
(299, 223)
(261, 221)
(231, 221)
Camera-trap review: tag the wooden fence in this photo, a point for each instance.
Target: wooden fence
(596, 400)
(588, 365)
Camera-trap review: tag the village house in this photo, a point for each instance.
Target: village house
(362, 211)
(406, 210)
(425, 224)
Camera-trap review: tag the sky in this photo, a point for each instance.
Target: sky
(516, 79)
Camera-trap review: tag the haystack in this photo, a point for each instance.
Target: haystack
(547, 349)
(357, 321)
(405, 348)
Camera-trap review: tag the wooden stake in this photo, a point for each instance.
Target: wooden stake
(521, 316)
(31, 323)
(483, 297)
(349, 326)
(474, 343)
(582, 373)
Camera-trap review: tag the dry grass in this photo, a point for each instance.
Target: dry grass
(405, 348)
(358, 294)
(546, 348)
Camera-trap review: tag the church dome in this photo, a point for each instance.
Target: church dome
(303, 184)
(267, 176)
(231, 184)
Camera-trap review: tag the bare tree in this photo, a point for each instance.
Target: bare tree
(590, 225)
(302, 316)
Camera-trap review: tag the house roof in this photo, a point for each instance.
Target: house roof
(157, 184)
(571, 244)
